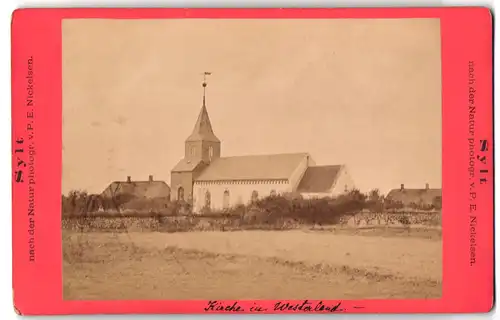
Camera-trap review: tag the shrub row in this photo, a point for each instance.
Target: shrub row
(276, 212)
(229, 223)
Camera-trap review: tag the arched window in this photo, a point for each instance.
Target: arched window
(210, 152)
(225, 200)
(193, 151)
(180, 194)
(208, 199)
(255, 195)
(273, 193)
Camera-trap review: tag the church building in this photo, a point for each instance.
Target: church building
(207, 180)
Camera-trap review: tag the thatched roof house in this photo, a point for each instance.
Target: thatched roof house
(148, 189)
(425, 197)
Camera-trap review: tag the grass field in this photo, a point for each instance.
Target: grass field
(250, 265)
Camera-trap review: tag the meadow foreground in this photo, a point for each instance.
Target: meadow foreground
(249, 265)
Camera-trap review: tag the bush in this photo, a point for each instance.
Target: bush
(275, 212)
(278, 209)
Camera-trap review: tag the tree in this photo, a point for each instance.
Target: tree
(75, 202)
(437, 202)
(375, 201)
(374, 195)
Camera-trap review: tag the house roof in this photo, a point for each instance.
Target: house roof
(185, 165)
(147, 189)
(416, 196)
(202, 130)
(319, 179)
(254, 167)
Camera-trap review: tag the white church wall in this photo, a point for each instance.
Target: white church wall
(315, 195)
(299, 171)
(344, 182)
(240, 192)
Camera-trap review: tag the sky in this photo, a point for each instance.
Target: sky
(361, 92)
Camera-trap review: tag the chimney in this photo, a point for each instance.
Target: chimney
(150, 178)
(426, 186)
(129, 179)
(402, 187)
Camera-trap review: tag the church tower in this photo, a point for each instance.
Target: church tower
(202, 144)
(201, 148)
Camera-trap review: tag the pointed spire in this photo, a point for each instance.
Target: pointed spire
(202, 130)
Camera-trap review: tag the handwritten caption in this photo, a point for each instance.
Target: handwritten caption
(25, 155)
(478, 162)
(280, 306)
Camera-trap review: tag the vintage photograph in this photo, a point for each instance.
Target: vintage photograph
(210, 159)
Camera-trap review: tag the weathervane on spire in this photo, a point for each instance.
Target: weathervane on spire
(205, 74)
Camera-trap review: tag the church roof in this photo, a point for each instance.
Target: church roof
(254, 167)
(319, 179)
(186, 165)
(203, 128)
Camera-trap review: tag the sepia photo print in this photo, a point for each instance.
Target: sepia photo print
(211, 159)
